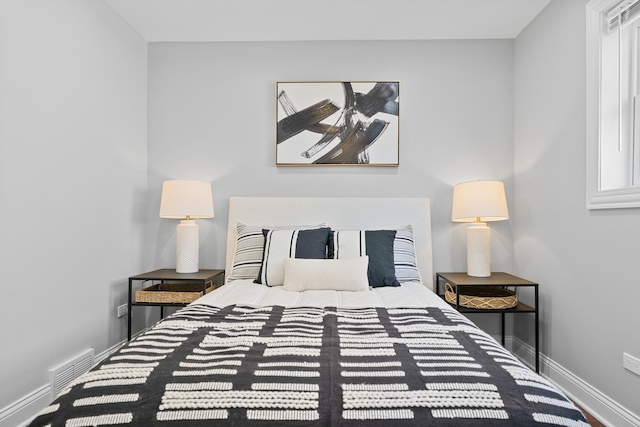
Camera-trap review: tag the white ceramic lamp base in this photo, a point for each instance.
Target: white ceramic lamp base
(479, 250)
(187, 247)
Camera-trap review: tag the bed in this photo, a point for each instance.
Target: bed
(339, 334)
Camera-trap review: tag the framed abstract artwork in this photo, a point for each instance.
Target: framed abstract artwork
(337, 123)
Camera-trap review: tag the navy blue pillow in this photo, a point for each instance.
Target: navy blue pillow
(376, 244)
(281, 244)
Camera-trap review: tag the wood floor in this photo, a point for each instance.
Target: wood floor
(592, 421)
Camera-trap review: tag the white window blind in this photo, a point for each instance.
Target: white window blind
(622, 13)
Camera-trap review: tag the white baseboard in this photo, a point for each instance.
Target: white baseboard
(21, 412)
(602, 407)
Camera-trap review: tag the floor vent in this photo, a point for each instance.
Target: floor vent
(61, 376)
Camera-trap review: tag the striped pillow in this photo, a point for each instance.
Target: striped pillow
(404, 256)
(282, 244)
(376, 244)
(404, 253)
(247, 257)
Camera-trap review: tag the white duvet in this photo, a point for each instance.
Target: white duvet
(245, 292)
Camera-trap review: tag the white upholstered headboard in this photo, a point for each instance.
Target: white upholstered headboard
(338, 213)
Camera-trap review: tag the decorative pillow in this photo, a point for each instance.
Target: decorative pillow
(376, 244)
(404, 256)
(247, 257)
(326, 274)
(282, 244)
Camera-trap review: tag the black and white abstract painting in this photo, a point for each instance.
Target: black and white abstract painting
(337, 123)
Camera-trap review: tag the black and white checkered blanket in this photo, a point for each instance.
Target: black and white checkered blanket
(241, 365)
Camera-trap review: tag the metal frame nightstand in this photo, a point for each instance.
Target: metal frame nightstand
(499, 279)
(204, 277)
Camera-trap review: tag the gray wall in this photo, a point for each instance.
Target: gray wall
(586, 261)
(212, 117)
(72, 183)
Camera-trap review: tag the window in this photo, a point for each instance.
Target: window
(613, 104)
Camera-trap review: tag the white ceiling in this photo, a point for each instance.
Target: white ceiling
(291, 20)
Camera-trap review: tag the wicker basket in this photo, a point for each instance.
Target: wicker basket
(172, 293)
(483, 297)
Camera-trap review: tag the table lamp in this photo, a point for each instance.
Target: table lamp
(479, 202)
(186, 200)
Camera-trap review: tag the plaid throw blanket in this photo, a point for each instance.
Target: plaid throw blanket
(242, 365)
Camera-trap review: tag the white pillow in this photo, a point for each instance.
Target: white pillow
(247, 257)
(326, 274)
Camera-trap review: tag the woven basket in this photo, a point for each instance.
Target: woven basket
(483, 297)
(172, 293)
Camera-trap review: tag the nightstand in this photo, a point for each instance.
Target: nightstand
(460, 281)
(184, 287)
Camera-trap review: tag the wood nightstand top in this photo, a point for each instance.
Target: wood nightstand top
(170, 274)
(496, 279)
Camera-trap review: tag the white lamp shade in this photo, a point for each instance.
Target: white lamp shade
(186, 199)
(479, 201)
